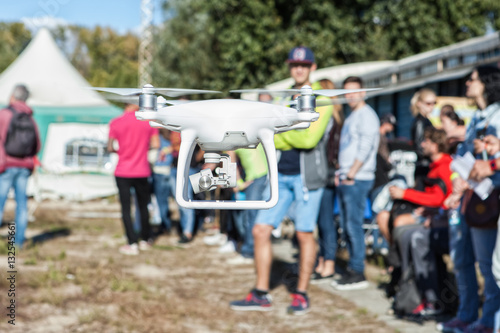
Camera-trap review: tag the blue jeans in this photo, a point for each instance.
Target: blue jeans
(496, 265)
(497, 321)
(326, 226)
(468, 245)
(352, 210)
(162, 190)
(376, 232)
(258, 190)
(291, 191)
(188, 215)
(18, 179)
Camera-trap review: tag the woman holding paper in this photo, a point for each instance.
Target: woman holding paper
(471, 242)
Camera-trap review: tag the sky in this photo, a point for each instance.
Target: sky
(121, 15)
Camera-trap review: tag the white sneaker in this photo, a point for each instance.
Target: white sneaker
(217, 239)
(145, 246)
(384, 251)
(240, 260)
(276, 232)
(227, 248)
(130, 250)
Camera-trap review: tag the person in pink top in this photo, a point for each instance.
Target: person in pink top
(131, 139)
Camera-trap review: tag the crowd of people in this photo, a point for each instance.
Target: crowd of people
(342, 161)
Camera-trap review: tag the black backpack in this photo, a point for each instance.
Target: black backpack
(21, 140)
(407, 297)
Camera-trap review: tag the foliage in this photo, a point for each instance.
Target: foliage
(227, 44)
(13, 39)
(224, 44)
(105, 58)
(101, 55)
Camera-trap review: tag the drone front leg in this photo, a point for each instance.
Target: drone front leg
(267, 138)
(185, 153)
(186, 150)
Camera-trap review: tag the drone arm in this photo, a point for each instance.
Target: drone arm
(307, 138)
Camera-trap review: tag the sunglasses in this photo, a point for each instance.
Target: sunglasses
(430, 103)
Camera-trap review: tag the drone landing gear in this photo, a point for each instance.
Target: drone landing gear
(226, 176)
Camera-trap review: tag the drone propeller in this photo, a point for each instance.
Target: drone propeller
(149, 89)
(319, 102)
(135, 100)
(320, 92)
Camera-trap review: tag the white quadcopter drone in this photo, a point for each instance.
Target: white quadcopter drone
(225, 124)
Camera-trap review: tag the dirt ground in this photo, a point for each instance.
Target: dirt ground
(71, 278)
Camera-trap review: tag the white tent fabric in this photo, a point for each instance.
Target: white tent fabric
(56, 85)
(60, 136)
(49, 76)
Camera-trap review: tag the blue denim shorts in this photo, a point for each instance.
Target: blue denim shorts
(307, 204)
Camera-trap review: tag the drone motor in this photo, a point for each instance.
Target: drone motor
(148, 100)
(306, 101)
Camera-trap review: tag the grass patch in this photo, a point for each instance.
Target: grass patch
(166, 247)
(62, 255)
(361, 311)
(53, 277)
(3, 247)
(124, 285)
(31, 261)
(96, 315)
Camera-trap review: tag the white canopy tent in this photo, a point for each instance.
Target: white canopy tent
(72, 120)
(50, 77)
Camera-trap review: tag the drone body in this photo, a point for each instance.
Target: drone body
(221, 125)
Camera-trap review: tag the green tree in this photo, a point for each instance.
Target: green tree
(105, 58)
(411, 27)
(223, 44)
(102, 56)
(13, 39)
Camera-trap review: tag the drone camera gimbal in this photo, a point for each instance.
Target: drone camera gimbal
(206, 181)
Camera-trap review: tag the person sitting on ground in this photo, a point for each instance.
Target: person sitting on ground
(420, 220)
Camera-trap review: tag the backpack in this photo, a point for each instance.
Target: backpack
(21, 140)
(407, 297)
